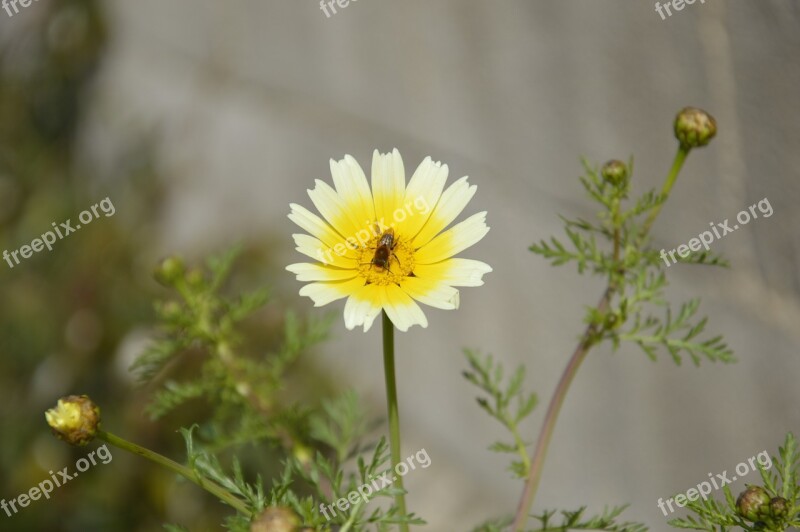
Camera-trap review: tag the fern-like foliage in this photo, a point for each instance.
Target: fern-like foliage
(321, 452)
(243, 389)
(616, 246)
(564, 521)
(779, 512)
(507, 404)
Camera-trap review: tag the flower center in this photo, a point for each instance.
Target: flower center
(383, 264)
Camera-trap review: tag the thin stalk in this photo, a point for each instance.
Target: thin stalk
(591, 336)
(535, 474)
(677, 164)
(211, 487)
(394, 414)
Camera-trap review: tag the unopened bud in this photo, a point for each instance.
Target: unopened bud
(195, 278)
(74, 419)
(753, 504)
(778, 507)
(275, 519)
(302, 454)
(615, 172)
(694, 127)
(170, 270)
(169, 310)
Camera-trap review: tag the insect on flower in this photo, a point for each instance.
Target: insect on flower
(389, 245)
(385, 250)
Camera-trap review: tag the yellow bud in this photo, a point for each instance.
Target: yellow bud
(75, 419)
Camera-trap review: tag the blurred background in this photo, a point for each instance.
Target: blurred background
(203, 120)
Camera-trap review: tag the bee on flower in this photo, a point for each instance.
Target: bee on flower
(387, 246)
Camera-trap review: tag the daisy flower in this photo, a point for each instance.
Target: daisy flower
(386, 247)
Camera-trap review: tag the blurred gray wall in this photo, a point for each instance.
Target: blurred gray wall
(251, 99)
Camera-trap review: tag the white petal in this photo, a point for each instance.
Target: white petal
(401, 309)
(323, 293)
(362, 307)
(315, 272)
(454, 240)
(434, 294)
(388, 184)
(450, 205)
(454, 272)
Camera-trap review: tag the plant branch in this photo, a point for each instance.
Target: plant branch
(211, 487)
(589, 338)
(593, 334)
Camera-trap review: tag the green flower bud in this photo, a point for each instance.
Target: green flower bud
(169, 310)
(694, 127)
(170, 270)
(615, 172)
(778, 507)
(195, 278)
(275, 519)
(303, 454)
(74, 419)
(753, 504)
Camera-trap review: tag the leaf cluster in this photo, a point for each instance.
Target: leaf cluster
(321, 448)
(564, 521)
(616, 246)
(507, 404)
(780, 481)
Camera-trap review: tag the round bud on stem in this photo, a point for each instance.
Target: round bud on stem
(753, 504)
(778, 507)
(170, 270)
(615, 172)
(195, 278)
(275, 519)
(694, 127)
(75, 419)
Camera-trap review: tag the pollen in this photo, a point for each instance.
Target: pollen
(399, 265)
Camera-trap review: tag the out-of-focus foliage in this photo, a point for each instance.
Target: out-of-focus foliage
(71, 318)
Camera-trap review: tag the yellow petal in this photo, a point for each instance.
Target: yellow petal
(338, 214)
(341, 257)
(423, 192)
(314, 225)
(352, 186)
(454, 240)
(452, 202)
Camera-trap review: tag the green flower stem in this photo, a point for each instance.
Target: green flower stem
(211, 487)
(677, 164)
(592, 335)
(391, 403)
